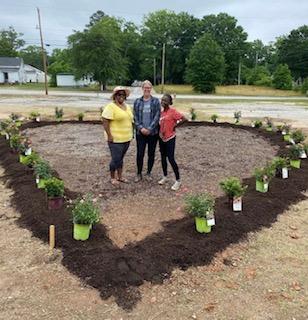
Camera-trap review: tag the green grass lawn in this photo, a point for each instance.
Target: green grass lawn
(241, 90)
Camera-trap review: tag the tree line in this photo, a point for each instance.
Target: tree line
(203, 52)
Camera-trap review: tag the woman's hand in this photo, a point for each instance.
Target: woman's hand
(110, 138)
(145, 131)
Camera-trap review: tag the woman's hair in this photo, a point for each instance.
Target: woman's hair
(168, 96)
(148, 82)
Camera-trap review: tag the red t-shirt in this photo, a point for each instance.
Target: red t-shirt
(168, 120)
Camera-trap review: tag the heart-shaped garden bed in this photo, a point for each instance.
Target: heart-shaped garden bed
(144, 232)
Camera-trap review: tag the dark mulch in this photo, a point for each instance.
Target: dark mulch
(111, 269)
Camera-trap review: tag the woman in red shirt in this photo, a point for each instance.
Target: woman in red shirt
(169, 119)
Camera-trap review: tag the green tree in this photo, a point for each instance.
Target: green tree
(97, 51)
(255, 54)
(178, 32)
(293, 50)
(32, 55)
(259, 76)
(282, 78)
(206, 65)
(132, 48)
(231, 38)
(59, 62)
(304, 88)
(10, 42)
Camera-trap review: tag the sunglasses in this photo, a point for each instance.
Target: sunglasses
(121, 95)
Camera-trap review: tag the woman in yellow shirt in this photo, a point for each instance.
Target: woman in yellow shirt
(118, 124)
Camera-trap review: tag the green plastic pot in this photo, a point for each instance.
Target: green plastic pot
(81, 231)
(261, 186)
(41, 184)
(295, 163)
(201, 225)
(22, 159)
(286, 137)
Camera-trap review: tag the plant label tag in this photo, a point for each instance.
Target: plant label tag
(28, 152)
(303, 155)
(292, 141)
(37, 180)
(211, 222)
(7, 137)
(237, 204)
(38, 119)
(285, 173)
(265, 187)
(283, 132)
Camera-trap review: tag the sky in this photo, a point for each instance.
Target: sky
(261, 19)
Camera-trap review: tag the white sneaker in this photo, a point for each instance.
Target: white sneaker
(163, 180)
(176, 186)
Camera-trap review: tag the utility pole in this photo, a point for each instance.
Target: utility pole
(163, 69)
(154, 70)
(257, 58)
(239, 73)
(43, 51)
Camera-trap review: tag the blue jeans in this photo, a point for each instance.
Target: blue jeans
(118, 151)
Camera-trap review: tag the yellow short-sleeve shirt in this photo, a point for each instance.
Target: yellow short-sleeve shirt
(121, 122)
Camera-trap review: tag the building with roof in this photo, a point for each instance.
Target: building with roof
(12, 70)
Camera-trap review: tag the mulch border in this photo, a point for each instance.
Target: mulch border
(112, 270)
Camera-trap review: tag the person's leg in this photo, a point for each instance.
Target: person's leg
(115, 157)
(163, 153)
(141, 144)
(124, 148)
(152, 142)
(170, 149)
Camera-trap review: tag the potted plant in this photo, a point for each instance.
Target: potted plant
(24, 149)
(279, 127)
(214, 117)
(286, 132)
(85, 213)
(269, 124)
(304, 151)
(4, 125)
(281, 166)
(35, 116)
(30, 160)
(298, 136)
(263, 177)
(42, 171)
(193, 114)
(237, 116)
(201, 207)
(15, 142)
(80, 116)
(12, 128)
(295, 152)
(55, 189)
(234, 189)
(59, 114)
(257, 124)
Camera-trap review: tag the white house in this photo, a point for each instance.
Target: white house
(12, 70)
(34, 75)
(68, 80)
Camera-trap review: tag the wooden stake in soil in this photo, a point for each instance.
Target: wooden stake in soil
(52, 239)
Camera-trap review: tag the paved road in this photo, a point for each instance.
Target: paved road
(136, 92)
(258, 107)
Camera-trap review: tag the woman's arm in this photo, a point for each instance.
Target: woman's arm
(106, 125)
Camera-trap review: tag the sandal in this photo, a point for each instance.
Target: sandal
(124, 180)
(114, 182)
